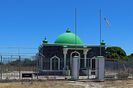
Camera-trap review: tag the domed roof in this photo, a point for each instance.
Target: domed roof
(68, 38)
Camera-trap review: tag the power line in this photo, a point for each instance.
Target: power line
(12, 47)
(100, 27)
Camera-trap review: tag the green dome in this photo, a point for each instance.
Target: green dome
(68, 38)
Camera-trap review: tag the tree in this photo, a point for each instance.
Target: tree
(115, 53)
(15, 62)
(24, 62)
(1, 63)
(130, 56)
(28, 62)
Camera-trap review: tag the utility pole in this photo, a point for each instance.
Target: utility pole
(75, 25)
(100, 27)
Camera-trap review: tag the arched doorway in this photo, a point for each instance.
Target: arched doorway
(74, 53)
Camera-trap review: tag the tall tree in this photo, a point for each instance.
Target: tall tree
(130, 56)
(115, 52)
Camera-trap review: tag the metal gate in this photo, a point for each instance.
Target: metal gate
(92, 68)
(88, 72)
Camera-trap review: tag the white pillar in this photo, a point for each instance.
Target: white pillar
(50, 64)
(58, 63)
(65, 53)
(85, 56)
(41, 63)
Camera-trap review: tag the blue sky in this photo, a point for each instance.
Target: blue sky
(24, 23)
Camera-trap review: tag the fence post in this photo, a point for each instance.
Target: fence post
(1, 68)
(19, 67)
(37, 66)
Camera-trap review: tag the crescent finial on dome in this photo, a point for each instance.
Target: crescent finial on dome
(68, 30)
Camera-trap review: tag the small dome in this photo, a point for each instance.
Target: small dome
(45, 41)
(68, 38)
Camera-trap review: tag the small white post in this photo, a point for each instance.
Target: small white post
(100, 68)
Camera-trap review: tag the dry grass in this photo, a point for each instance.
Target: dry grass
(69, 84)
(118, 84)
(47, 84)
(107, 84)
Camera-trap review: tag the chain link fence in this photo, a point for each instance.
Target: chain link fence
(12, 66)
(119, 69)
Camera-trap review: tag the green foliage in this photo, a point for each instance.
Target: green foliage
(115, 53)
(130, 56)
(28, 62)
(102, 43)
(1, 63)
(15, 63)
(25, 62)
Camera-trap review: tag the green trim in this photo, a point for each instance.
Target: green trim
(45, 41)
(103, 43)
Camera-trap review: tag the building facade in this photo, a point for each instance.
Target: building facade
(58, 57)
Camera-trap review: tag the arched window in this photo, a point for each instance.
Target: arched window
(93, 63)
(55, 63)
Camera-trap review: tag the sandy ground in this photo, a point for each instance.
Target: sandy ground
(118, 84)
(70, 84)
(106, 84)
(44, 84)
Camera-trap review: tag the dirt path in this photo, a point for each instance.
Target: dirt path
(70, 84)
(105, 84)
(87, 84)
(46, 84)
